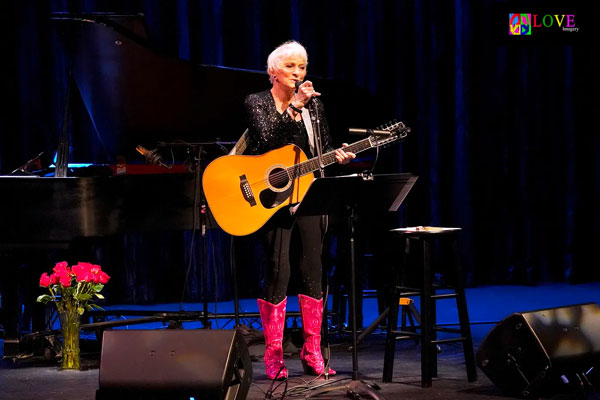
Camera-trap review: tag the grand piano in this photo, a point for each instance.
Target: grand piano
(132, 95)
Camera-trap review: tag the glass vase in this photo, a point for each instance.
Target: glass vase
(69, 325)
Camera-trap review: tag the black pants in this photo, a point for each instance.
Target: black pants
(277, 242)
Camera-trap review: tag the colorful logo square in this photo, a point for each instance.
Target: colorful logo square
(519, 24)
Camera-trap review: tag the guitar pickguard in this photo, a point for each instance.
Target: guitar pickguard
(271, 199)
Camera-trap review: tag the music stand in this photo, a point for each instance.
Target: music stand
(351, 193)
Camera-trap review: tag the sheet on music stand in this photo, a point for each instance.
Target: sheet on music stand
(378, 193)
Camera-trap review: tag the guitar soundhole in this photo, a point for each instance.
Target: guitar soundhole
(278, 178)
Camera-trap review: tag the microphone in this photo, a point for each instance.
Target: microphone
(369, 132)
(297, 84)
(151, 156)
(24, 167)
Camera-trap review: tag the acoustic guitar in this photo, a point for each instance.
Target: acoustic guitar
(244, 192)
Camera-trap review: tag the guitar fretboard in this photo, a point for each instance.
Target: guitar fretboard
(308, 166)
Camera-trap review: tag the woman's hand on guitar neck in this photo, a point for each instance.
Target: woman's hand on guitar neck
(344, 157)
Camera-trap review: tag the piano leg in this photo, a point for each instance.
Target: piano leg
(19, 311)
(9, 313)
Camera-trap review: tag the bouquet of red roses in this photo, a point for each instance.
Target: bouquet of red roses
(74, 287)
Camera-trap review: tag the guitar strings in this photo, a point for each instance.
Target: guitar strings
(278, 178)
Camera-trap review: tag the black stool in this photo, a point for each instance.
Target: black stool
(428, 327)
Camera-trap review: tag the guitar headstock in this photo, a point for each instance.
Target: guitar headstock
(397, 130)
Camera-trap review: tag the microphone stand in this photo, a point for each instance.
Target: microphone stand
(203, 215)
(316, 122)
(318, 145)
(200, 222)
(23, 168)
(200, 219)
(356, 386)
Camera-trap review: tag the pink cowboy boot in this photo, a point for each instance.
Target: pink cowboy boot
(312, 316)
(273, 321)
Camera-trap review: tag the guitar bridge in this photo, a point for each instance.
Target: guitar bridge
(247, 191)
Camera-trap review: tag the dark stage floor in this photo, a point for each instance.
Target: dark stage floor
(32, 379)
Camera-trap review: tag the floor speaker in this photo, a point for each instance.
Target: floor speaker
(530, 353)
(174, 364)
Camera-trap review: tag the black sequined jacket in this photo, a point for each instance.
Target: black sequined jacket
(269, 130)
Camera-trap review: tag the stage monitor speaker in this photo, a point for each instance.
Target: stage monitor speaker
(535, 352)
(174, 364)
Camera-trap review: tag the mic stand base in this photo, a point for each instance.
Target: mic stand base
(356, 386)
(356, 389)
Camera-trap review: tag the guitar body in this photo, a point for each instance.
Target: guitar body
(244, 192)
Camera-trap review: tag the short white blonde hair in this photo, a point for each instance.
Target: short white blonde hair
(291, 48)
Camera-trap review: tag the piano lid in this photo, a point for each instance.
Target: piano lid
(136, 95)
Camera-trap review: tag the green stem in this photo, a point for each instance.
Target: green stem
(70, 324)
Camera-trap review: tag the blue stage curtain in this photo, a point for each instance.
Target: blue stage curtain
(505, 137)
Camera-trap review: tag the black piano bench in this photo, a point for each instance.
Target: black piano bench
(427, 328)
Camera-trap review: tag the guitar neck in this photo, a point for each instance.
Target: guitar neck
(308, 166)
